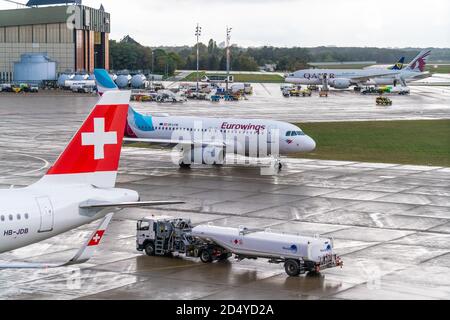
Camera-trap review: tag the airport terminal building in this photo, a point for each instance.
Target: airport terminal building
(76, 37)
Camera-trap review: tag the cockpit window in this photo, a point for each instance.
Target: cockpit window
(294, 133)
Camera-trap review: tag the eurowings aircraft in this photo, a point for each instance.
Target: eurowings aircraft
(209, 140)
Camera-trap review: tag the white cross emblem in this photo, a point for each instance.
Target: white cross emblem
(96, 238)
(99, 138)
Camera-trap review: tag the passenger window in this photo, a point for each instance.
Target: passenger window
(26, 216)
(19, 217)
(10, 217)
(2, 218)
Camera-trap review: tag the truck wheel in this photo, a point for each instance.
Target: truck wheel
(205, 256)
(292, 268)
(149, 249)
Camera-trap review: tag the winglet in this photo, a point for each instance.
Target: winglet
(87, 251)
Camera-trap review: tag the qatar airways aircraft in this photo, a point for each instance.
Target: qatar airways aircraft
(209, 140)
(78, 189)
(345, 78)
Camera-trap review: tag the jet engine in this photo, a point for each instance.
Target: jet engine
(341, 83)
(209, 155)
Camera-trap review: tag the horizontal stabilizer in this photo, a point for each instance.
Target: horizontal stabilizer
(83, 255)
(93, 205)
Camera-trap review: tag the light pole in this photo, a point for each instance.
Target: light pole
(153, 66)
(228, 55)
(198, 33)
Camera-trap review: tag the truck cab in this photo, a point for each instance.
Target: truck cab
(162, 235)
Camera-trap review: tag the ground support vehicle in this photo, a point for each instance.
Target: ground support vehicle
(162, 236)
(306, 93)
(383, 101)
(323, 93)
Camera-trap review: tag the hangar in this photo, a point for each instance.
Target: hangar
(75, 36)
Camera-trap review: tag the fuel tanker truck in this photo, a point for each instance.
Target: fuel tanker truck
(163, 236)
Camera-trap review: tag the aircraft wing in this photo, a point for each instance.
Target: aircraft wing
(374, 75)
(174, 142)
(83, 255)
(421, 76)
(123, 205)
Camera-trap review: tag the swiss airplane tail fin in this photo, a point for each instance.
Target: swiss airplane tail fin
(104, 81)
(420, 62)
(92, 156)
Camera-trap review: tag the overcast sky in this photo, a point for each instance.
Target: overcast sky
(381, 23)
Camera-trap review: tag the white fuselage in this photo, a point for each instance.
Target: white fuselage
(351, 76)
(44, 210)
(233, 132)
(316, 76)
(408, 76)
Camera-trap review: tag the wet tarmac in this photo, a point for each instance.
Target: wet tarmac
(425, 102)
(391, 223)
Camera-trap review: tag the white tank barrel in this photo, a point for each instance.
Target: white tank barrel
(80, 77)
(62, 79)
(265, 243)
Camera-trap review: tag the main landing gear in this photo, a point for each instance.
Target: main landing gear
(185, 166)
(277, 165)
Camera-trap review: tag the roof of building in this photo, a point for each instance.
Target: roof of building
(86, 18)
(32, 3)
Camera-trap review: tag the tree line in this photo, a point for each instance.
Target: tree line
(129, 54)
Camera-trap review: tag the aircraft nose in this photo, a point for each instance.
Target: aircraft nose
(307, 144)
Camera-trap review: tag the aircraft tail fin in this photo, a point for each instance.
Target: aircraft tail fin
(92, 156)
(399, 65)
(104, 81)
(420, 62)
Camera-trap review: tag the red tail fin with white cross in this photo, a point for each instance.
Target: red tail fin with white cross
(93, 154)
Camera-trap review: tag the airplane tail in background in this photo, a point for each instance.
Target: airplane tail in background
(420, 62)
(104, 81)
(93, 154)
(399, 65)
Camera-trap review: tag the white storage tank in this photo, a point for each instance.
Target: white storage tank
(123, 81)
(138, 81)
(34, 67)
